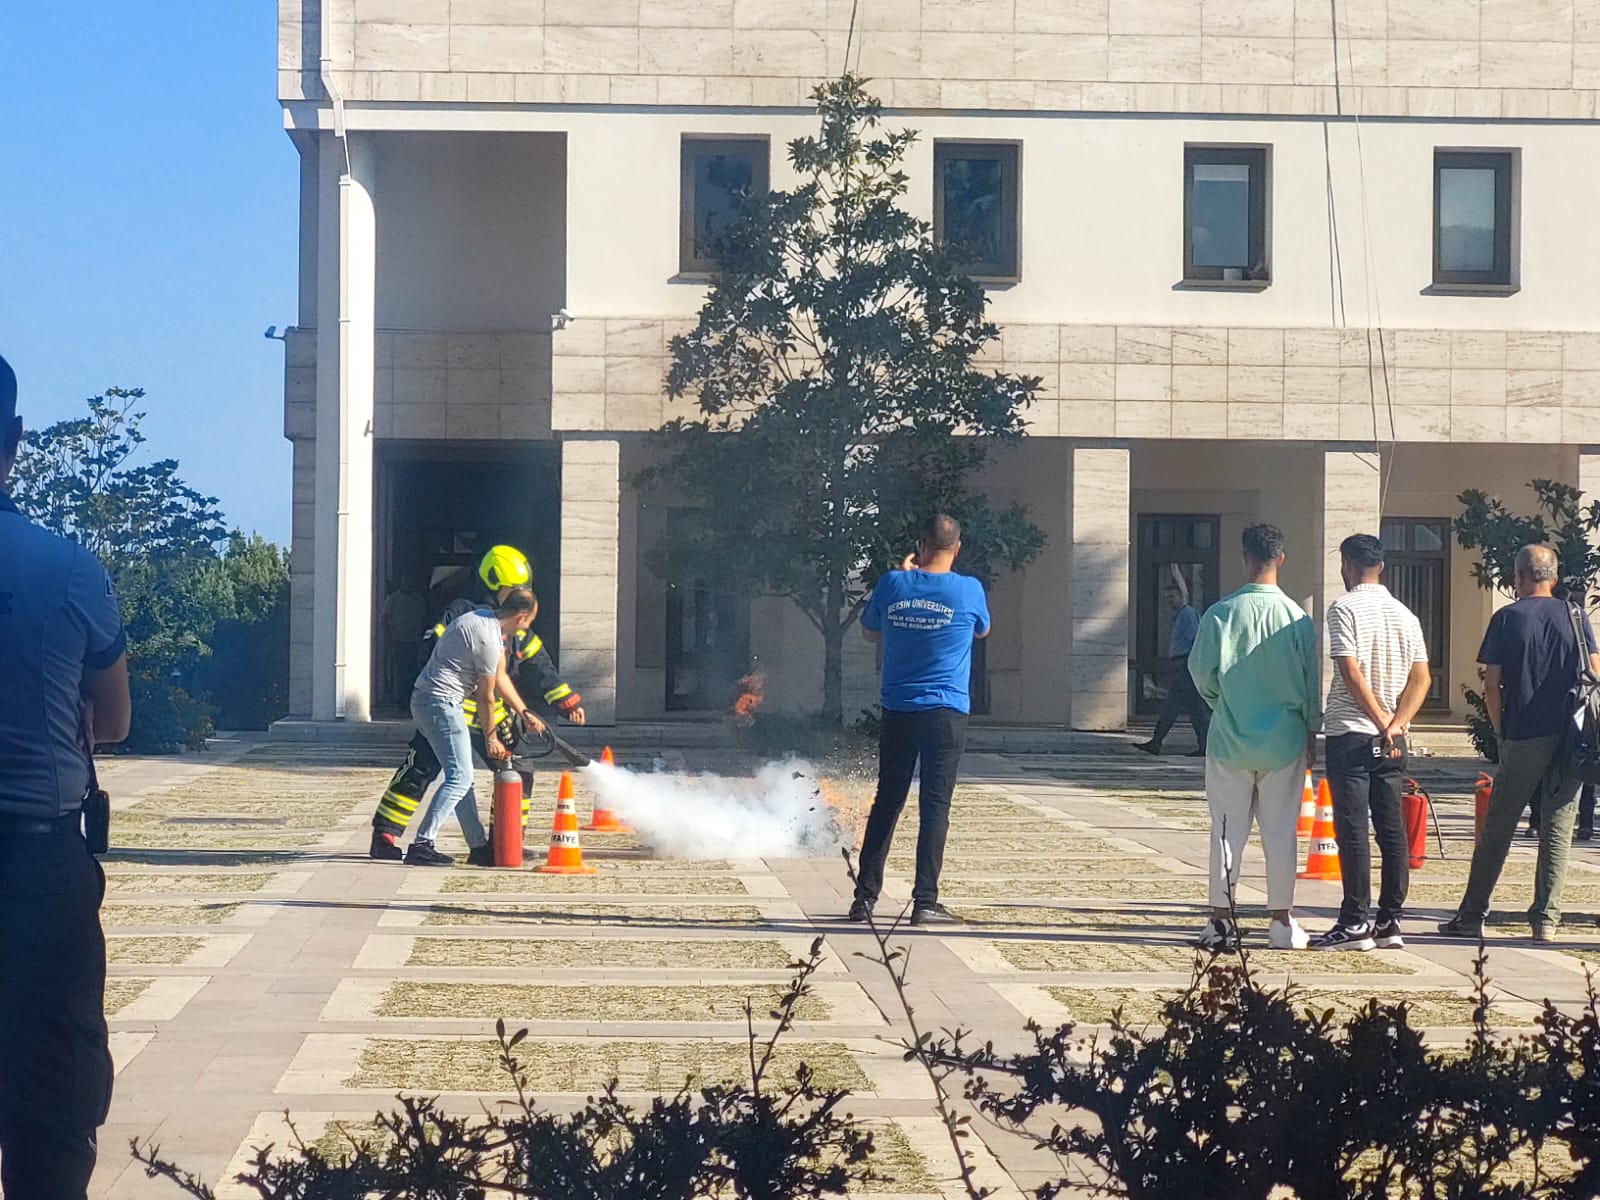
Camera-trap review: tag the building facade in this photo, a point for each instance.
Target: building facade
(1324, 265)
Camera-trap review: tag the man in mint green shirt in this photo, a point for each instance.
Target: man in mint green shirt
(1255, 661)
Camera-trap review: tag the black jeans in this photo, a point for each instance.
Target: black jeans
(936, 736)
(1182, 697)
(55, 1065)
(1366, 786)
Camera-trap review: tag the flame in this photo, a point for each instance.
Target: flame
(751, 693)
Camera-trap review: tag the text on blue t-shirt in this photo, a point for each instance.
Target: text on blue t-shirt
(928, 620)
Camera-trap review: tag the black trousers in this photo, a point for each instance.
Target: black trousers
(934, 737)
(1366, 791)
(55, 1064)
(1182, 697)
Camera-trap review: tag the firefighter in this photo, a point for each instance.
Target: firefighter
(532, 670)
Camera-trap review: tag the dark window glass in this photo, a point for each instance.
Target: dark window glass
(1471, 218)
(716, 177)
(975, 205)
(1224, 214)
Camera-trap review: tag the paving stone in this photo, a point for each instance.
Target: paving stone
(530, 883)
(689, 915)
(722, 954)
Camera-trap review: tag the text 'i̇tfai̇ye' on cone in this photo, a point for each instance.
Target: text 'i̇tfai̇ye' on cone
(605, 820)
(1322, 860)
(1308, 809)
(566, 854)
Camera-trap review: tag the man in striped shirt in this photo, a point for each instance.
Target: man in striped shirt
(1380, 681)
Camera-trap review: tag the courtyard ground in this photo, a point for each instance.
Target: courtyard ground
(261, 962)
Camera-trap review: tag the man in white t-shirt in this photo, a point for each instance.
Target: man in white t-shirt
(1380, 681)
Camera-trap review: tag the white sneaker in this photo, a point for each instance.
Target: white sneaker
(1218, 935)
(1287, 937)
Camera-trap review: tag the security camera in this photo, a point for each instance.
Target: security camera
(561, 318)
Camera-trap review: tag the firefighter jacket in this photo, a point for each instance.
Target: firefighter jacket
(527, 662)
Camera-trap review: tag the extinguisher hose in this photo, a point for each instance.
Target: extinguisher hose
(541, 743)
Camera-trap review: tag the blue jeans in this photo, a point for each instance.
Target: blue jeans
(445, 727)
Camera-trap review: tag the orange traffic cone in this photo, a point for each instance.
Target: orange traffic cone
(566, 854)
(605, 820)
(1322, 860)
(1308, 810)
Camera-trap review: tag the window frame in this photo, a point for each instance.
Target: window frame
(1504, 165)
(1008, 153)
(691, 145)
(1259, 160)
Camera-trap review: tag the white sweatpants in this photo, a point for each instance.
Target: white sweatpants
(1271, 798)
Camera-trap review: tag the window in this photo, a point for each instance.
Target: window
(975, 205)
(1472, 217)
(717, 174)
(1225, 215)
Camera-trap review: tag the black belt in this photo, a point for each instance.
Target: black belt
(12, 823)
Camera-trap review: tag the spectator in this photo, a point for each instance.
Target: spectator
(469, 659)
(1181, 695)
(1531, 660)
(1255, 662)
(927, 617)
(62, 656)
(1380, 681)
(405, 614)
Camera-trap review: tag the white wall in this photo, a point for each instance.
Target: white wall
(1102, 203)
(471, 231)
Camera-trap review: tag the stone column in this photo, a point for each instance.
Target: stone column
(1099, 593)
(1351, 503)
(591, 496)
(346, 354)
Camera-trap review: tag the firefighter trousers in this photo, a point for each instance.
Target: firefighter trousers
(417, 774)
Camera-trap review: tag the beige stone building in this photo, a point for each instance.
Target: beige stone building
(1324, 264)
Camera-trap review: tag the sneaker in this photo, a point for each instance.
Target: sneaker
(933, 914)
(1531, 831)
(1288, 936)
(1148, 747)
(1197, 752)
(1462, 927)
(1220, 934)
(1387, 935)
(1585, 833)
(860, 910)
(384, 848)
(1346, 937)
(481, 856)
(1544, 931)
(422, 854)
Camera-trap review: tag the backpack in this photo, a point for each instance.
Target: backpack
(1583, 759)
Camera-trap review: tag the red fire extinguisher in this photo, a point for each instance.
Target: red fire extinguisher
(507, 819)
(1480, 804)
(1414, 806)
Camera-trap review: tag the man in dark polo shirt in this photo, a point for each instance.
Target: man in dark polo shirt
(65, 687)
(1531, 658)
(927, 617)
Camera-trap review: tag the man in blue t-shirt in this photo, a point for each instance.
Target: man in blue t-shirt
(926, 616)
(1532, 657)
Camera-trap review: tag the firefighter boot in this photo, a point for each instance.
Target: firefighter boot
(384, 847)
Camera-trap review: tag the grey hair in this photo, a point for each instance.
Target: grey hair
(1538, 563)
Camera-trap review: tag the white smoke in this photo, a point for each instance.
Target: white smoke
(778, 814)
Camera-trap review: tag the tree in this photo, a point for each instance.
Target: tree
(834, 367)
(1561, 520)
(159, 538)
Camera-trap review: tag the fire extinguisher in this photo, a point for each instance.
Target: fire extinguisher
(507, 818)
(1480, 804)
(1414, 806)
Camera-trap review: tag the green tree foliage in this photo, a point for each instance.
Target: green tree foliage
(834, 367)
(160, 539)
(1561, 519)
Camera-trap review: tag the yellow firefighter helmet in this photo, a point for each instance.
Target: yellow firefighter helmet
(505, 566)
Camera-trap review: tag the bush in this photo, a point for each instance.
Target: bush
(762, 1140)
(166, 718)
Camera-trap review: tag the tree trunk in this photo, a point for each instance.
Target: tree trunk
(833, 656)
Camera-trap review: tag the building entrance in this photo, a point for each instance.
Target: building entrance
(1178, 549)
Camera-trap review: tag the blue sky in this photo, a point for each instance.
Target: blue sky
(148, 230)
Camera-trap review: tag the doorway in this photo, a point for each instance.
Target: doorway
(1416, 553)
(1173, 548)
(708, 646)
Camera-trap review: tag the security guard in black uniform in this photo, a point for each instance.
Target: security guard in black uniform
(532, 670)
(65, 685)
